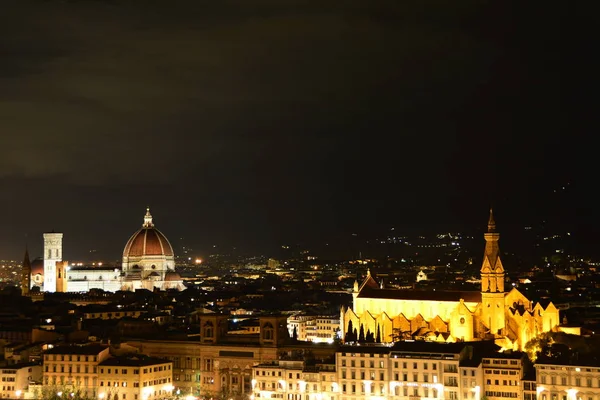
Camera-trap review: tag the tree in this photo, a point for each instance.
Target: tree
(378, 336)
(361, 335)
(398, 335)
(350, 333)
(369, 337)
(61, 392)
(295, 334)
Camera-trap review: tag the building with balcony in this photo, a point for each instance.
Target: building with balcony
(294, 380)
(503, 375)
(556, 381)
(73, 368)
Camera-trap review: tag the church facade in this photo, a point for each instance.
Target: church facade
(492, 313)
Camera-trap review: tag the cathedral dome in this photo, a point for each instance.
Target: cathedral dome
(148, 241)
(172, 276)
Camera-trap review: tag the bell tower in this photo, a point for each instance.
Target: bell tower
(52, 255)
(492, 281)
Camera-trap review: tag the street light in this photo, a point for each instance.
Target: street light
(539, 390)
(477, 391)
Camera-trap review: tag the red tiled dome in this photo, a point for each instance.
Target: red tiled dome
(37, 266)
(172, 276)
(148, 241)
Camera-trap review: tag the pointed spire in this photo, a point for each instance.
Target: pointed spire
(148, 219)
(26, 273)
(491, 222)
(26, 261)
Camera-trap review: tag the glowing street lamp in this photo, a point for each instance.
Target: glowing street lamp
(539, 390)
(477, 391)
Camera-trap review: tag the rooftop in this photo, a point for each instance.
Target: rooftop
(133, 361)
(89, 349)
(433, 295)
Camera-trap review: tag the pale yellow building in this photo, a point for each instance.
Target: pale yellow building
(294, 380)
(567, 382)
(447, 316)
(73, 368)
(314, 328)
(503, 374)
(15, 379)
(135, 378)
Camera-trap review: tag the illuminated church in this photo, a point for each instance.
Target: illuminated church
(148, 263)
(493, 313)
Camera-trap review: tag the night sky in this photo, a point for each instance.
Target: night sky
(256, 123)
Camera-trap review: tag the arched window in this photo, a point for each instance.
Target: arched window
(268, 331)
(208, 329)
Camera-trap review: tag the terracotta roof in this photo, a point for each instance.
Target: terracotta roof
(133, 361)
(37, 266)
(90, 349)
(171, 276)
(148, 241)
(423, 295)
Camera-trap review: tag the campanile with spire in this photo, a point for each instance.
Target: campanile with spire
(492, 281)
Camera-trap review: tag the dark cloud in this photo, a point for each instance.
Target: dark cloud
(263, 109)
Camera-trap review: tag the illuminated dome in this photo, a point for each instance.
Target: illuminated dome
(172, 276)
(148, 241)
(148, 252)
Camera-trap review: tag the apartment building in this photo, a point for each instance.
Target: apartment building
(567, 382)
(73, 368)
(294, 380)
(428, 370)
(318, 329)
(502, 375)
(15, 379)
(134, 377)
